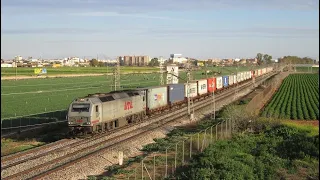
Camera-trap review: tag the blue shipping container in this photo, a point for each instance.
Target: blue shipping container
(225, 81)
(175, 93)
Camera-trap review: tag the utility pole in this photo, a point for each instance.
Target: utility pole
(237, 86)
(116, 76)
(16, 68)
(190, 100)
(161, 80)
(213, 99)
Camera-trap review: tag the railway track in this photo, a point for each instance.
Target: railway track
(78, 151)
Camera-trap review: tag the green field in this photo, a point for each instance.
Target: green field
(25, 71)
(297, 98)
(99, 70)
(40, 97)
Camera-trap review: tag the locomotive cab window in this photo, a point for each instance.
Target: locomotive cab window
(97, 108)
(80, 107)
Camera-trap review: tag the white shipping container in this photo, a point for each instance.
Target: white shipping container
(264, 70)
(256, 73)
(248, 74)
(234, 79)
(219, 82)
(192, 89)
(259, 72)
(202, 86)
(245, 74)
(157, 97)
(230, 80)
(241, 76)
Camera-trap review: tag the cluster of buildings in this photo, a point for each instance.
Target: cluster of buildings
(18, 61)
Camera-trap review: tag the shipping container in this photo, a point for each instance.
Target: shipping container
(225, 81)
(175, 93)
(259, 72)
(219, 82)
(211, 85)
(192, 89)
(245, 75)
(230, 80)
(157, 97)
(264, 70)
(256, 74)
(234, 79)
(248, 75)
(239, 77)
(202, 86)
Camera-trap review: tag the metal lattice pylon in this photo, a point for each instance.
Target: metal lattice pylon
(190, 100)
(161, 80)
(116, 76)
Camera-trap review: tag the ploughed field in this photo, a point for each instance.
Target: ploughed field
(297, 98)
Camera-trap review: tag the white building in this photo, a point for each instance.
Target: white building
(17, 58)
(161, 60)
(177, 58)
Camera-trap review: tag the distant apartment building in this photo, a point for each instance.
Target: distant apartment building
(177, 58)
(18, 58)
(134, 60)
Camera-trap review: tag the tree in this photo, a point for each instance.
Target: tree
(94, 63)
(100, 64)
(154, 62)
(267, 58)
(259, 58)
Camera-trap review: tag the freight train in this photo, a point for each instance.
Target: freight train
(108, 111)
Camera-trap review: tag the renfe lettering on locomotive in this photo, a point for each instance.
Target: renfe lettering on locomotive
(128, 105)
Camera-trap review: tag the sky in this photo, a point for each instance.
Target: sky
(194, 28)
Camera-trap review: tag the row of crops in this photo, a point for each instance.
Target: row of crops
(297, 98)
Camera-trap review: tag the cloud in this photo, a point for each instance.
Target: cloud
(289, 32)
(115, 14)
(147, 6)
(68, 31)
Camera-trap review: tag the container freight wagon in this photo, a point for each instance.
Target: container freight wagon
(157, 98)
(192, 89)
(234, 79)
(225, 81)
(231, 81)
(219, 82)
(176, 93)
(202, 86)
(211, 85)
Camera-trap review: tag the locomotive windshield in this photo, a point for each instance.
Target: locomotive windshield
(80, 107)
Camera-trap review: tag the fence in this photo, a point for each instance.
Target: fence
(9, 125)
(164, 163)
